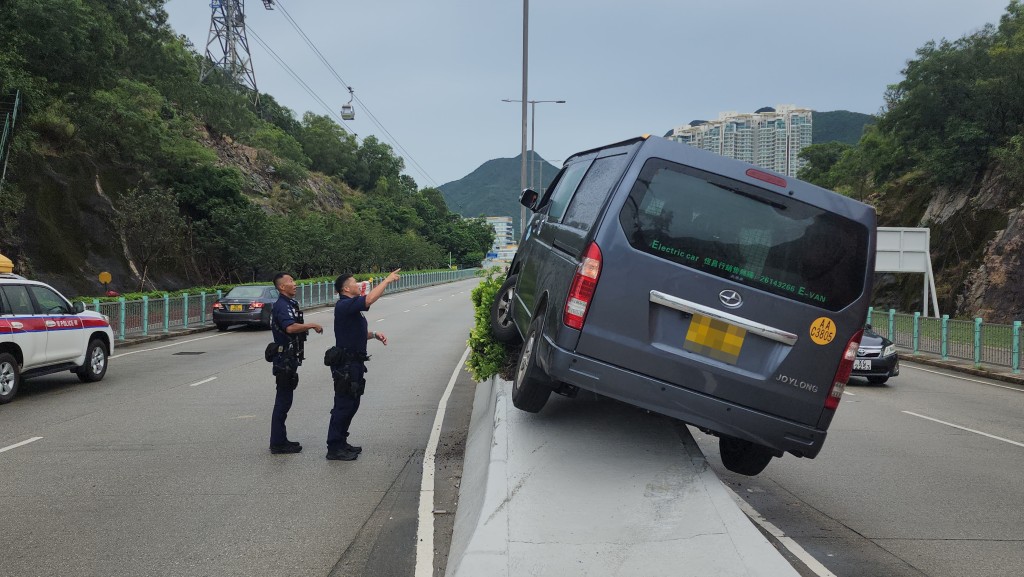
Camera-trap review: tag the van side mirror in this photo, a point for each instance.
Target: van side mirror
(529, 198)
(79, 307)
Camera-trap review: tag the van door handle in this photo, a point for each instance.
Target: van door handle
(50, 324)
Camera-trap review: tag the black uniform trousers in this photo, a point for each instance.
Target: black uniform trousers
(282, 404)
(345, 406)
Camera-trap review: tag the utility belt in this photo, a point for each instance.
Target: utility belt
(348, 380)
(335, 357)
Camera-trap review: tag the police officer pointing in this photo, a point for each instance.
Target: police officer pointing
(289, 330)
(348, 368)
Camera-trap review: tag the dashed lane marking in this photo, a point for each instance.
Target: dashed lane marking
(16, 445)
(962, 428)
(204, 381)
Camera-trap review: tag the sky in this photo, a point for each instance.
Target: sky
(434, 72)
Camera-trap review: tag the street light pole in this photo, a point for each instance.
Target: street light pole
(526, 62)
(533, 134)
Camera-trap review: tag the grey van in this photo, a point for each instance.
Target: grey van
(693, 285)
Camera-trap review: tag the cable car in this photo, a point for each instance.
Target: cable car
(348, 112)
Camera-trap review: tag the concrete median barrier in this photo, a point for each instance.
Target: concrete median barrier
(594, 487)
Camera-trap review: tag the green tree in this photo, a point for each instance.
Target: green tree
(151, 226)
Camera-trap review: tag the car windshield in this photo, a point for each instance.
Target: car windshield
(740, 232)
(246, 292)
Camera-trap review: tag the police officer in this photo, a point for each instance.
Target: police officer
(351, 334)
(289, 330)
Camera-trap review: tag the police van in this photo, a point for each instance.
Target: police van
(42, 333)
(697, 286)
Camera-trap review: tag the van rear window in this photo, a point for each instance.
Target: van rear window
(746, 234)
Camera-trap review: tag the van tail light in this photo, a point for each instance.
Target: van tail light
(255, 305)
(581, 293)
(835, 394)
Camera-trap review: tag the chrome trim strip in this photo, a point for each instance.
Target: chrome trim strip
(765, 331)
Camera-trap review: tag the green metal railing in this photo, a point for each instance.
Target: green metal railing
(969, 340)
(149, 316)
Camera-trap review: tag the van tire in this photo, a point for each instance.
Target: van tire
(531, 387)
(10, 377)
(503, 327)
(743, 457)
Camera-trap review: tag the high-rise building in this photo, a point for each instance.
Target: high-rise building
(770, 137)
(503, 232)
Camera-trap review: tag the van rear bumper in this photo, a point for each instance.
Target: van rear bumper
(689, 406)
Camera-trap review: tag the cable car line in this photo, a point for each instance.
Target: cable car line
(415, 165)
(298, 79)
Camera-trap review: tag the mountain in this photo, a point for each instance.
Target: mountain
(493, 189)
(839, 125)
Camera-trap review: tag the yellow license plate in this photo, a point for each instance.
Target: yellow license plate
(713, 338)
(235, 308)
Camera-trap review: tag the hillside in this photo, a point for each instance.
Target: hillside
(122, 161)
(839, 126)
(493, 188)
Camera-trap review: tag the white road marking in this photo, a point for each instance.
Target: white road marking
(424, 304)
(380, 320)
(966, 429)
(963, 378)
(165, 346)
(245, 417)
(849, 393)
(405, 311)
(787, 542)
(440, 300)
(204, 381)
(425, 528)
(16, 445)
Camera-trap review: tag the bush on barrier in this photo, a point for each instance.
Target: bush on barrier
(487, 356)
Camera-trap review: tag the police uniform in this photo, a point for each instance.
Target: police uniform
(350, 330)
(284, 313)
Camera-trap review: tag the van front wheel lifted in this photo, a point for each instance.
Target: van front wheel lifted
(502, 327)
(531, 387)
(743, 457)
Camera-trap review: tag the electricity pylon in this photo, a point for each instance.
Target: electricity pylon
(227, 31)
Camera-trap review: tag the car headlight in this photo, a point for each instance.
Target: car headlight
(889, 350)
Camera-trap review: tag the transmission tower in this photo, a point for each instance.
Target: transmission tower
(227, 32)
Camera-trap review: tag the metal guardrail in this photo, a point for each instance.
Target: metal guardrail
(976, 341)
(160, 315)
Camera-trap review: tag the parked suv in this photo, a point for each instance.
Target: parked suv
(41, 333)
(693, 285)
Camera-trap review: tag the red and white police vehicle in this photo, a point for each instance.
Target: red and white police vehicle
(42, 333)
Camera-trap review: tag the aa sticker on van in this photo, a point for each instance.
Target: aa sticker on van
(823, 330)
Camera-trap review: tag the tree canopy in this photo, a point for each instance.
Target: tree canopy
(110, 85)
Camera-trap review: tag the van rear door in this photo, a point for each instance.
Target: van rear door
(723, 285)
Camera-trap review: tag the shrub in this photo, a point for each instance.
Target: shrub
(487, 357)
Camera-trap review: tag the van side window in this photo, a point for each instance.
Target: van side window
(593, 191)
(558, 199)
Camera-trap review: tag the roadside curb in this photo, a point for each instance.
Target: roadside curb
(964, 367)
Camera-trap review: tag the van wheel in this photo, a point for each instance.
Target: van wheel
(10, 377)
(503, 328)
(743, 457)
(95, 363)
(877, 380)
(531, 387)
